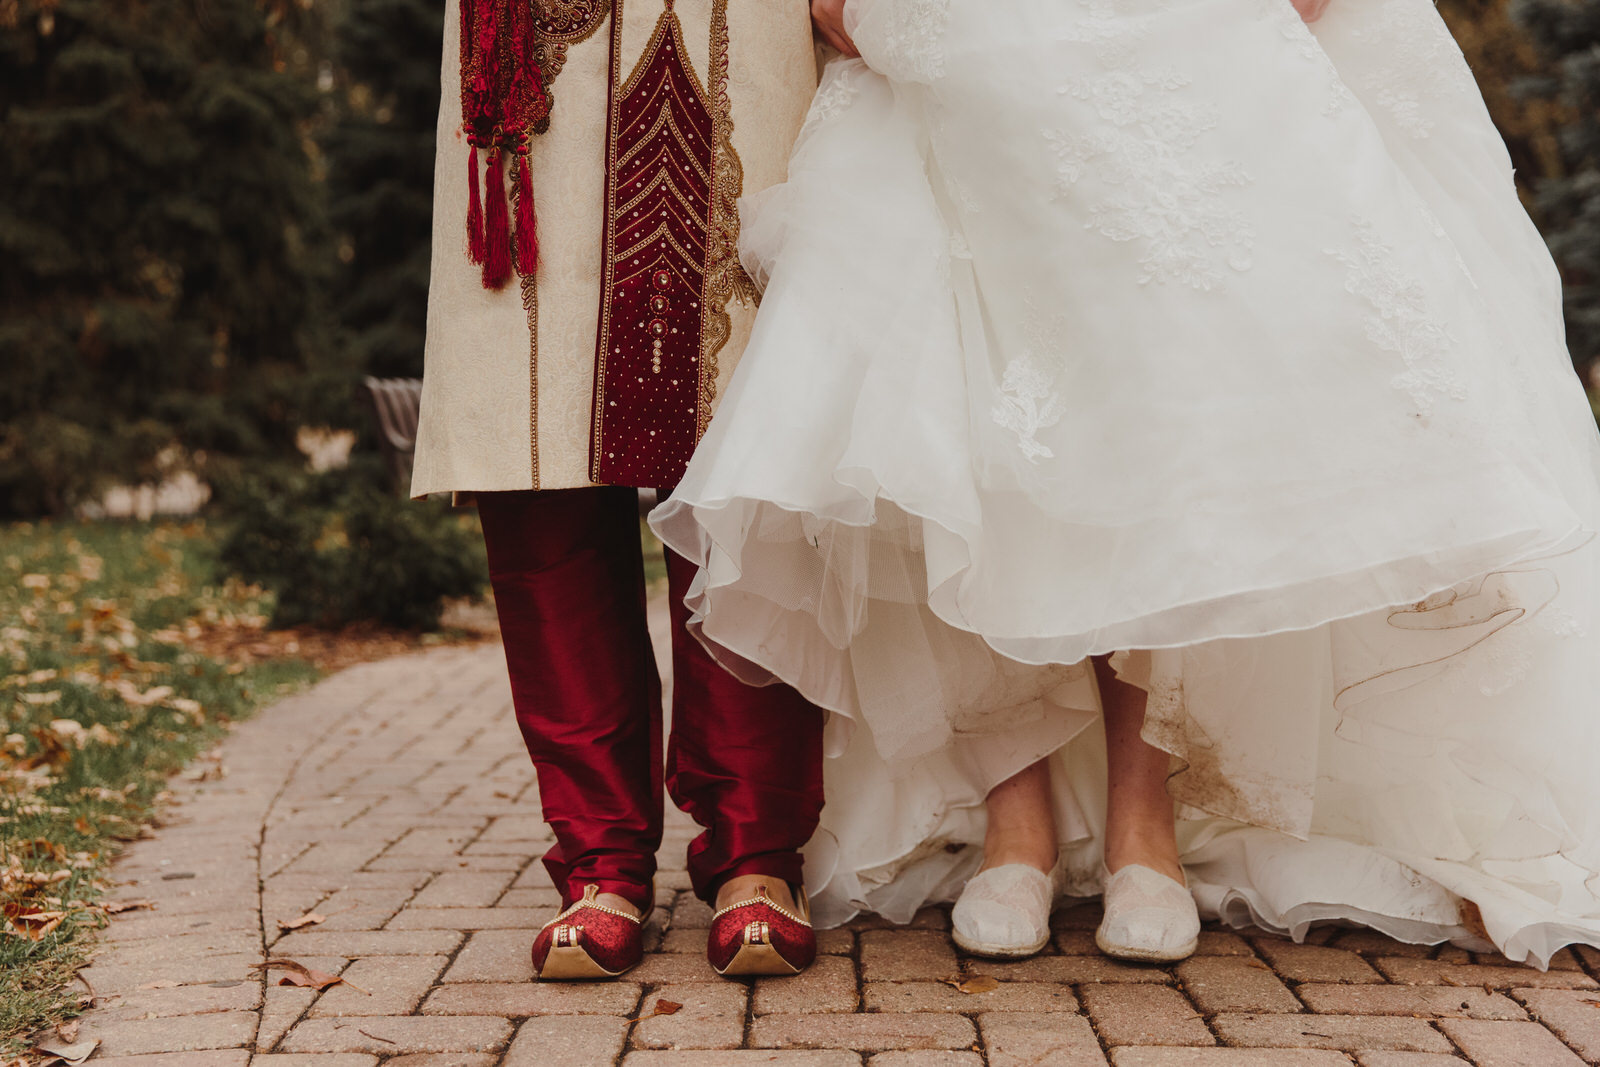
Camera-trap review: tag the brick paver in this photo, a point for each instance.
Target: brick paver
(396, 802)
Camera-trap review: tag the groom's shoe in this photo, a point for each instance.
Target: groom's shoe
(589, 940)
(757, 937)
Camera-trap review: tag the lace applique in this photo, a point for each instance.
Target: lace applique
(1418, 63)
(960, 193)
(1436, 228)
(1027, 404)
(1401, 323)
(1282, 14)
(1157, 192)
(834, 96)
(910, 38)
(1158, 195)
(1111, 30)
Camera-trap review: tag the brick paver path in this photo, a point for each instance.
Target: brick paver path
(395, 800)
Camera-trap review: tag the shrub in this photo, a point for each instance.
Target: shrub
(335, 549)
(1568, 31)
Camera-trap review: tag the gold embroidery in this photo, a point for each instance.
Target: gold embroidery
(569, 21)
(530, 304)
(725, 277)
(559, 24)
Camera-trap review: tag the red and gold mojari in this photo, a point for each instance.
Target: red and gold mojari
(745, 762)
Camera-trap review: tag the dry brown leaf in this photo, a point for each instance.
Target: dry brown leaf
(68, 1031)
(665, 1007)
(30, 922)
(979, 983)
(310, 918)
(71, 1053)
(297, 973)
(1593, 1003)
(117, 907)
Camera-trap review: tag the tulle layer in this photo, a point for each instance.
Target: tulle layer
(1075, 341)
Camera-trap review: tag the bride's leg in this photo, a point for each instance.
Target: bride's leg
(1021, 821)
(1004, 909)
(1149, 913)
(1140, 827)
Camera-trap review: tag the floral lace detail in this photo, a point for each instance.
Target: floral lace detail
(1282, 14)
(1159, 196)
(1419, 62)
(1158, 193)
(904, 39)
(1027, 404)
(1401, 323)
(960, 193)
(1112, 30)
(833, 97)
(1436, 228)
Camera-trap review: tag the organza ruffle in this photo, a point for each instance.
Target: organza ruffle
(1076, 341)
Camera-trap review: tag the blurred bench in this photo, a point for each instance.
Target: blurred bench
(395, 403)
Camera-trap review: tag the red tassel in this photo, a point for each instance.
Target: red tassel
(497, 227)
(527, 222)
(475, 240)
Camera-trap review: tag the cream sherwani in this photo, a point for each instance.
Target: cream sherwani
(605, 366)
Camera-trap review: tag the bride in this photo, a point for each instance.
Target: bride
(1159, 451)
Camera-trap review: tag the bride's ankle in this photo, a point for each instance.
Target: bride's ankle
(1156, 851)
(1036, 852)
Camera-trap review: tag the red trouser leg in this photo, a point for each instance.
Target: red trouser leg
(744, 761)
(568, 580)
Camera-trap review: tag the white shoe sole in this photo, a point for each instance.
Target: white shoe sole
(1145, 955)
(995, 951)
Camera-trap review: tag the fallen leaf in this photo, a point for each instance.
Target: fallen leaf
(41, 698)
(55, 1051)
(1593, 1003)
(296, 973)
(665, 1007)
(68, 1031)
(117, 907)
(975, 983)
(30, 922)
(310, 918)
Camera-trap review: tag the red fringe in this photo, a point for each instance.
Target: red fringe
(497, 227)
(527, 221)
(475, 239)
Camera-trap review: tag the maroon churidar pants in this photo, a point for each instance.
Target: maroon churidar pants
(744, 761)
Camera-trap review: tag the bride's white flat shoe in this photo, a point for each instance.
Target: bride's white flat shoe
(1004, 912)
(1148, 916)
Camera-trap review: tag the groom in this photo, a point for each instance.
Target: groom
(574, 354)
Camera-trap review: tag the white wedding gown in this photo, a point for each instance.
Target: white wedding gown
(1170, 326)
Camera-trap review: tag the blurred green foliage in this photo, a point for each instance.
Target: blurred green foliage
(162, 252)
(1567, 34)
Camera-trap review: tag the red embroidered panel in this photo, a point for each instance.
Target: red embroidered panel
(658, 212)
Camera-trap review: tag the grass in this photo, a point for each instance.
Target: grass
(102, 696)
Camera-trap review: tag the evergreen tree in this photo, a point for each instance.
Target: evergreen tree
(159, 229)
(1568, 31)
(380, 179)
